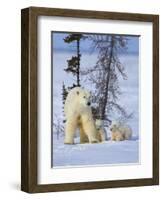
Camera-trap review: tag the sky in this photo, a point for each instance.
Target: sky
(59, 44)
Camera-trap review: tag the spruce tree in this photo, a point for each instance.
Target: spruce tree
(74, 63)
(64, 93)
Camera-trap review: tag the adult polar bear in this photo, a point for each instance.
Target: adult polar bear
(78, 114)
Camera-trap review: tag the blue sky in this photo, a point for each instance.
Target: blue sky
(59, 44)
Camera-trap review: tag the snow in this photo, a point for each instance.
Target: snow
(108, 152)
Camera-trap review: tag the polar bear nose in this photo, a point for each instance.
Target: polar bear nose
(111, 129)
(88, 103)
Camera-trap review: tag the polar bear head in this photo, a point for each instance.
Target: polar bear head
(83, 96)
(99, 124)
(114, 126)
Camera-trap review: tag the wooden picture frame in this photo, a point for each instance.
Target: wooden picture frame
(29, 110)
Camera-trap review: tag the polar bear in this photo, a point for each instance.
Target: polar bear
(78, 114)
(120, 131)
(101, 136)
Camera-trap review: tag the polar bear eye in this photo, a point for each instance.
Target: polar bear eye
(84, 97)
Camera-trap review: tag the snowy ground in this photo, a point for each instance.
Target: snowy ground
(102, 153)
(107, 152)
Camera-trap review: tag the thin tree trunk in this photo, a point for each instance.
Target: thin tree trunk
(78, 65)
(103, 110)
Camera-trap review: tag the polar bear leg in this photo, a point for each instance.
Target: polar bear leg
(102, 136)
(98, 136)
(70, 128)
(113, 136)
(83, 136)
(128, 135)
(119, 137)
(90, 130)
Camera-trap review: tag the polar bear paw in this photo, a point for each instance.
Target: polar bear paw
(94, 141)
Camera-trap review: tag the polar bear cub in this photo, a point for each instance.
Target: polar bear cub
(101, 136)
(78, 114)
(120, 131)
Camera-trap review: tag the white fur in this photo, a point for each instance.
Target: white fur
(79, 115)
(100, 130)
(120, 131)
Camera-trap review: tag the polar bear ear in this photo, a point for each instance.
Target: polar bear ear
(77, 92)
